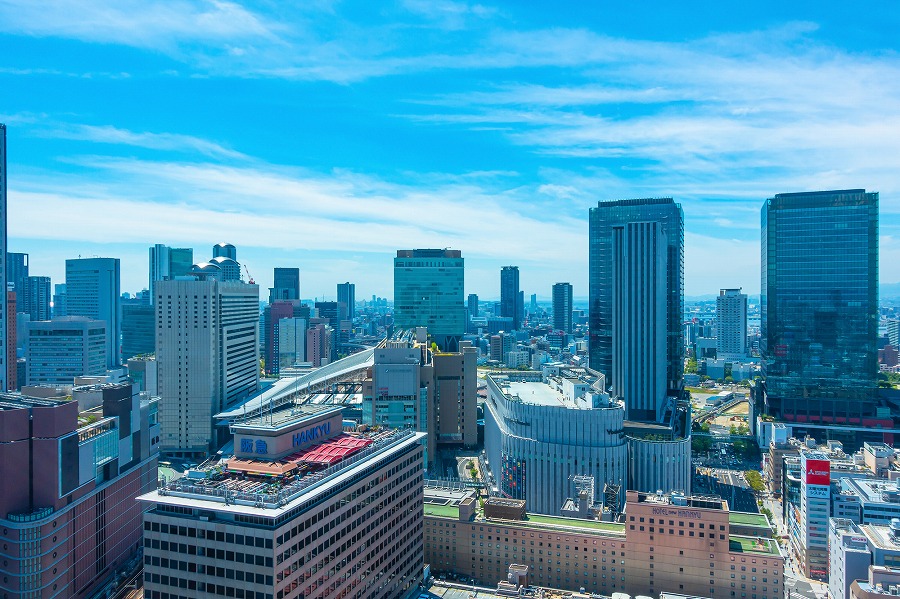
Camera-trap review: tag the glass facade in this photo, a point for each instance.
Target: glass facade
(602, 220)
(428, 292)
(819, 305)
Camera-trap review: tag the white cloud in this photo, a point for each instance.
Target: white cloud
(154, 141)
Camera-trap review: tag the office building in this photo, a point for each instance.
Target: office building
(809, 535)
(539, 435)
(225, 250)
(17, 273)
(616, 214)
(893, 331)
(142, 370)
(36, 298)
(70, 523)
(346, 297)
(881, 583)
(286, 286)
(509, 295)
(472, 304)
(5, 322)
(731, 324)
(428, 292)
(819, 308)
(301, 510)
(93, 291)
(207, 356)
(138, 329)
(61, 349)
(435, 393)
(12, 377)
(562, 307)
(319, 339)
(167, 263)
(848, 556)
(693, 545)
(272, 316)
(291, 346)
(60, 300)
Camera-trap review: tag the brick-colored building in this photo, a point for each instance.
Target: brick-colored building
(68, 515)
(657, 548)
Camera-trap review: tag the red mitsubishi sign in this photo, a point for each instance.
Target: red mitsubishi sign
(818, 472)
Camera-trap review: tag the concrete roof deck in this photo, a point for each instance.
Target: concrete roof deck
(753, 545)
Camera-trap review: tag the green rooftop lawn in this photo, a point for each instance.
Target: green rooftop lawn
(752, 545)
(747, 519)
(446, 511)
(575, 522)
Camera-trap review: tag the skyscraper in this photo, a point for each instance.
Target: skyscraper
(473, 305)
(93, 290)
(138, 329)
(167, 263)
(17, 274)
(639, 267)
(286, 286)
(4, 320)
(603, 219)
(64, 348)
(819, 306)
(346, 295)
(428, 292)
(207, 354)
(731, 324)
(36, 297)
(509, 294)
(562, 307)
(60, 300)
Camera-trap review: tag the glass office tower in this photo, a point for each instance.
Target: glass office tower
(428, 292)
(819, 305)
(603, 219)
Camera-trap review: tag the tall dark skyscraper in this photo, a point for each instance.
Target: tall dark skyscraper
(509, 294)
(36, 298)
(428, 292)
(286, 286)
(603, 219)
(346, 296)
(166, 263)
(562, 307)
(4, 313)
(472, 304)
(17, 274)
(819, 306)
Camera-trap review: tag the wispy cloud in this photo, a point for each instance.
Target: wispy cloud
(106, 134)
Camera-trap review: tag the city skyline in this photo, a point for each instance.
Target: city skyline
(441, 124)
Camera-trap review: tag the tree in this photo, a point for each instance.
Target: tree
(701, 444)
(691, 366)
(755, 480)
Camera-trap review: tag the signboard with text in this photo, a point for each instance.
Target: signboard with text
(818, 472)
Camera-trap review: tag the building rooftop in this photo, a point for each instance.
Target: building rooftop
(259, 486)
(748, 519)
(753, 545)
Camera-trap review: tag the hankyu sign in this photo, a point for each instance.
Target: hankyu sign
(818, 472)
(311, 434)
(689, 514)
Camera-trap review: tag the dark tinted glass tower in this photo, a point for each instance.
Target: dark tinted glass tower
(286, 286)
(819, 305)
(562, 307)
(603, 219)
(346, 295)
(509, 294)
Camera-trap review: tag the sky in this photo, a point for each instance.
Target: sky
(326, 135)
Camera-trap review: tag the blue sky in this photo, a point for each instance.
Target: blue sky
(326, 135)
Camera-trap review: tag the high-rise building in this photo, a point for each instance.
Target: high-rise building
(819, 306)
(68, 517)
(273, 314)
(225, 250)
(37, 298)
(12, 376)
(639, 268)
(603, 219)
(319, 339)
(301, 510)
(509, 295)
(562, 307)
(472, 304)
(60, 300)
(5, 323)
(287, 285)
(428, 292)
(731, 324)
(17, 274)
(93, 290)
(61, 349)
(346, 295)
(138, 329)
(167, 263)
(291, 347)
(207, 356)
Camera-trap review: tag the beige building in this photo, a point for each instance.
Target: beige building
(688, 545)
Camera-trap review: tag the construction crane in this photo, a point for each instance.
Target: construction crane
(249, 276)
